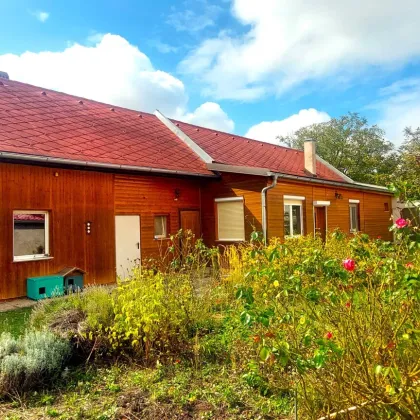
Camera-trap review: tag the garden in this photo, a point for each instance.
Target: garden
(294, 329)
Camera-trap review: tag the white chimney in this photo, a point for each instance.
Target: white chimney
(309, 152)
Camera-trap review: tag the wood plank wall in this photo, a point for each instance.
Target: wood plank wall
(75, 197)
(72, 198)
(148, 196)
(374, 219)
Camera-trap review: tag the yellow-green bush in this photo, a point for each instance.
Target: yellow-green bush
(154, 312)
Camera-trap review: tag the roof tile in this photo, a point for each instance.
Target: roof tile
(236, 150)
(56, 125)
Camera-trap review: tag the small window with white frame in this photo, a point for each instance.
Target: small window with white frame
(30, 235)
(230, 219)
(354, 215)
(293, 215)
(161, 227)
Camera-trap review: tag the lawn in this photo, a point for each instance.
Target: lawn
(14, 321)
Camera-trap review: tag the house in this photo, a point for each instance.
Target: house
(89, 185)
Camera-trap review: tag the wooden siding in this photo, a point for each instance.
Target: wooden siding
(232, 185)
(72, 198)
(148, 196)
(374, 220)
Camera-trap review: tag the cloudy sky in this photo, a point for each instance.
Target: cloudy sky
(258, 68)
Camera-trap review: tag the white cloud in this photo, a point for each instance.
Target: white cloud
(210, 115)
(41, 16)
(269, 130)
(399, 107)
(190, 20)
(163, 48)
(109, 70)
(287, 43)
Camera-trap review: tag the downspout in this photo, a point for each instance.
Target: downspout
(264, 206)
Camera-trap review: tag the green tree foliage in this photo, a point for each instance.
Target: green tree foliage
(406, 177)
(350, 144)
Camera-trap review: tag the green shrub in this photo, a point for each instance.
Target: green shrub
(95, 302)
(32, 360)
(154, 313)
(343, 339)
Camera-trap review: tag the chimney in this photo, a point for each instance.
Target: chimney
(309, 153)
(4, 75)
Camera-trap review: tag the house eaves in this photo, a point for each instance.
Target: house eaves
(97, 165)
(219, 167)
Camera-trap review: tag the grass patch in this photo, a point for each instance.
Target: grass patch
(14, 322)
(166, 392)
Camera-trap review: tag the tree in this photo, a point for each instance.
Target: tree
(406, 177)
(350, 144)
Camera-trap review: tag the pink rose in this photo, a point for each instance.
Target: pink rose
(401, 223)
(349, 264)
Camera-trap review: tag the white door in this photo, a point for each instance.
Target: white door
(127, 236)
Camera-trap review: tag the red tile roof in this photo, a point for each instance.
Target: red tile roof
(41, 122)
(230, 149)
(58, 125)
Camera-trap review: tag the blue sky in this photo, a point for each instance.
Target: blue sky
(259, 68)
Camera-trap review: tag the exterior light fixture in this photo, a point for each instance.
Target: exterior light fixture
(177, 194)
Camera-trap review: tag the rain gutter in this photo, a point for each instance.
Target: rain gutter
(97, 165)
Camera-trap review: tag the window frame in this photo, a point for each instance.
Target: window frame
(33, 257)
(166, 235)
(356, 205)
(227, 200)
(291, 201)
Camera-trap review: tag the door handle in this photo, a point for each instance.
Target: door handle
(138, 245)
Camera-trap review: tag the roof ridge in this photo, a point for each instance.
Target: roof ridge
(187, 140)
(237, 135)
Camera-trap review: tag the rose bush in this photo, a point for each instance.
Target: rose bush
(338, 322)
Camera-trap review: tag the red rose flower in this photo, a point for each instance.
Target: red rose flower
(348, 304)
(391, 345)
(329, 335)
(401, 223)
(409, 265)
(349, 264)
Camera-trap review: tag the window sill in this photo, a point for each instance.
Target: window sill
(32, 259)
(162, 239)
(230, 240)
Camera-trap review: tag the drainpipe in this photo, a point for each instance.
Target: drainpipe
(264, 206)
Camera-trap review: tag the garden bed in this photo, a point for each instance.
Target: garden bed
(332, 328)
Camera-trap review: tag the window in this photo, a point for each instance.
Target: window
(354, 216)
(161, 227)
(293, 216)
(30, 235)
(230, 219)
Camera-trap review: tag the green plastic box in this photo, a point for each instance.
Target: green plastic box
(44, 287)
